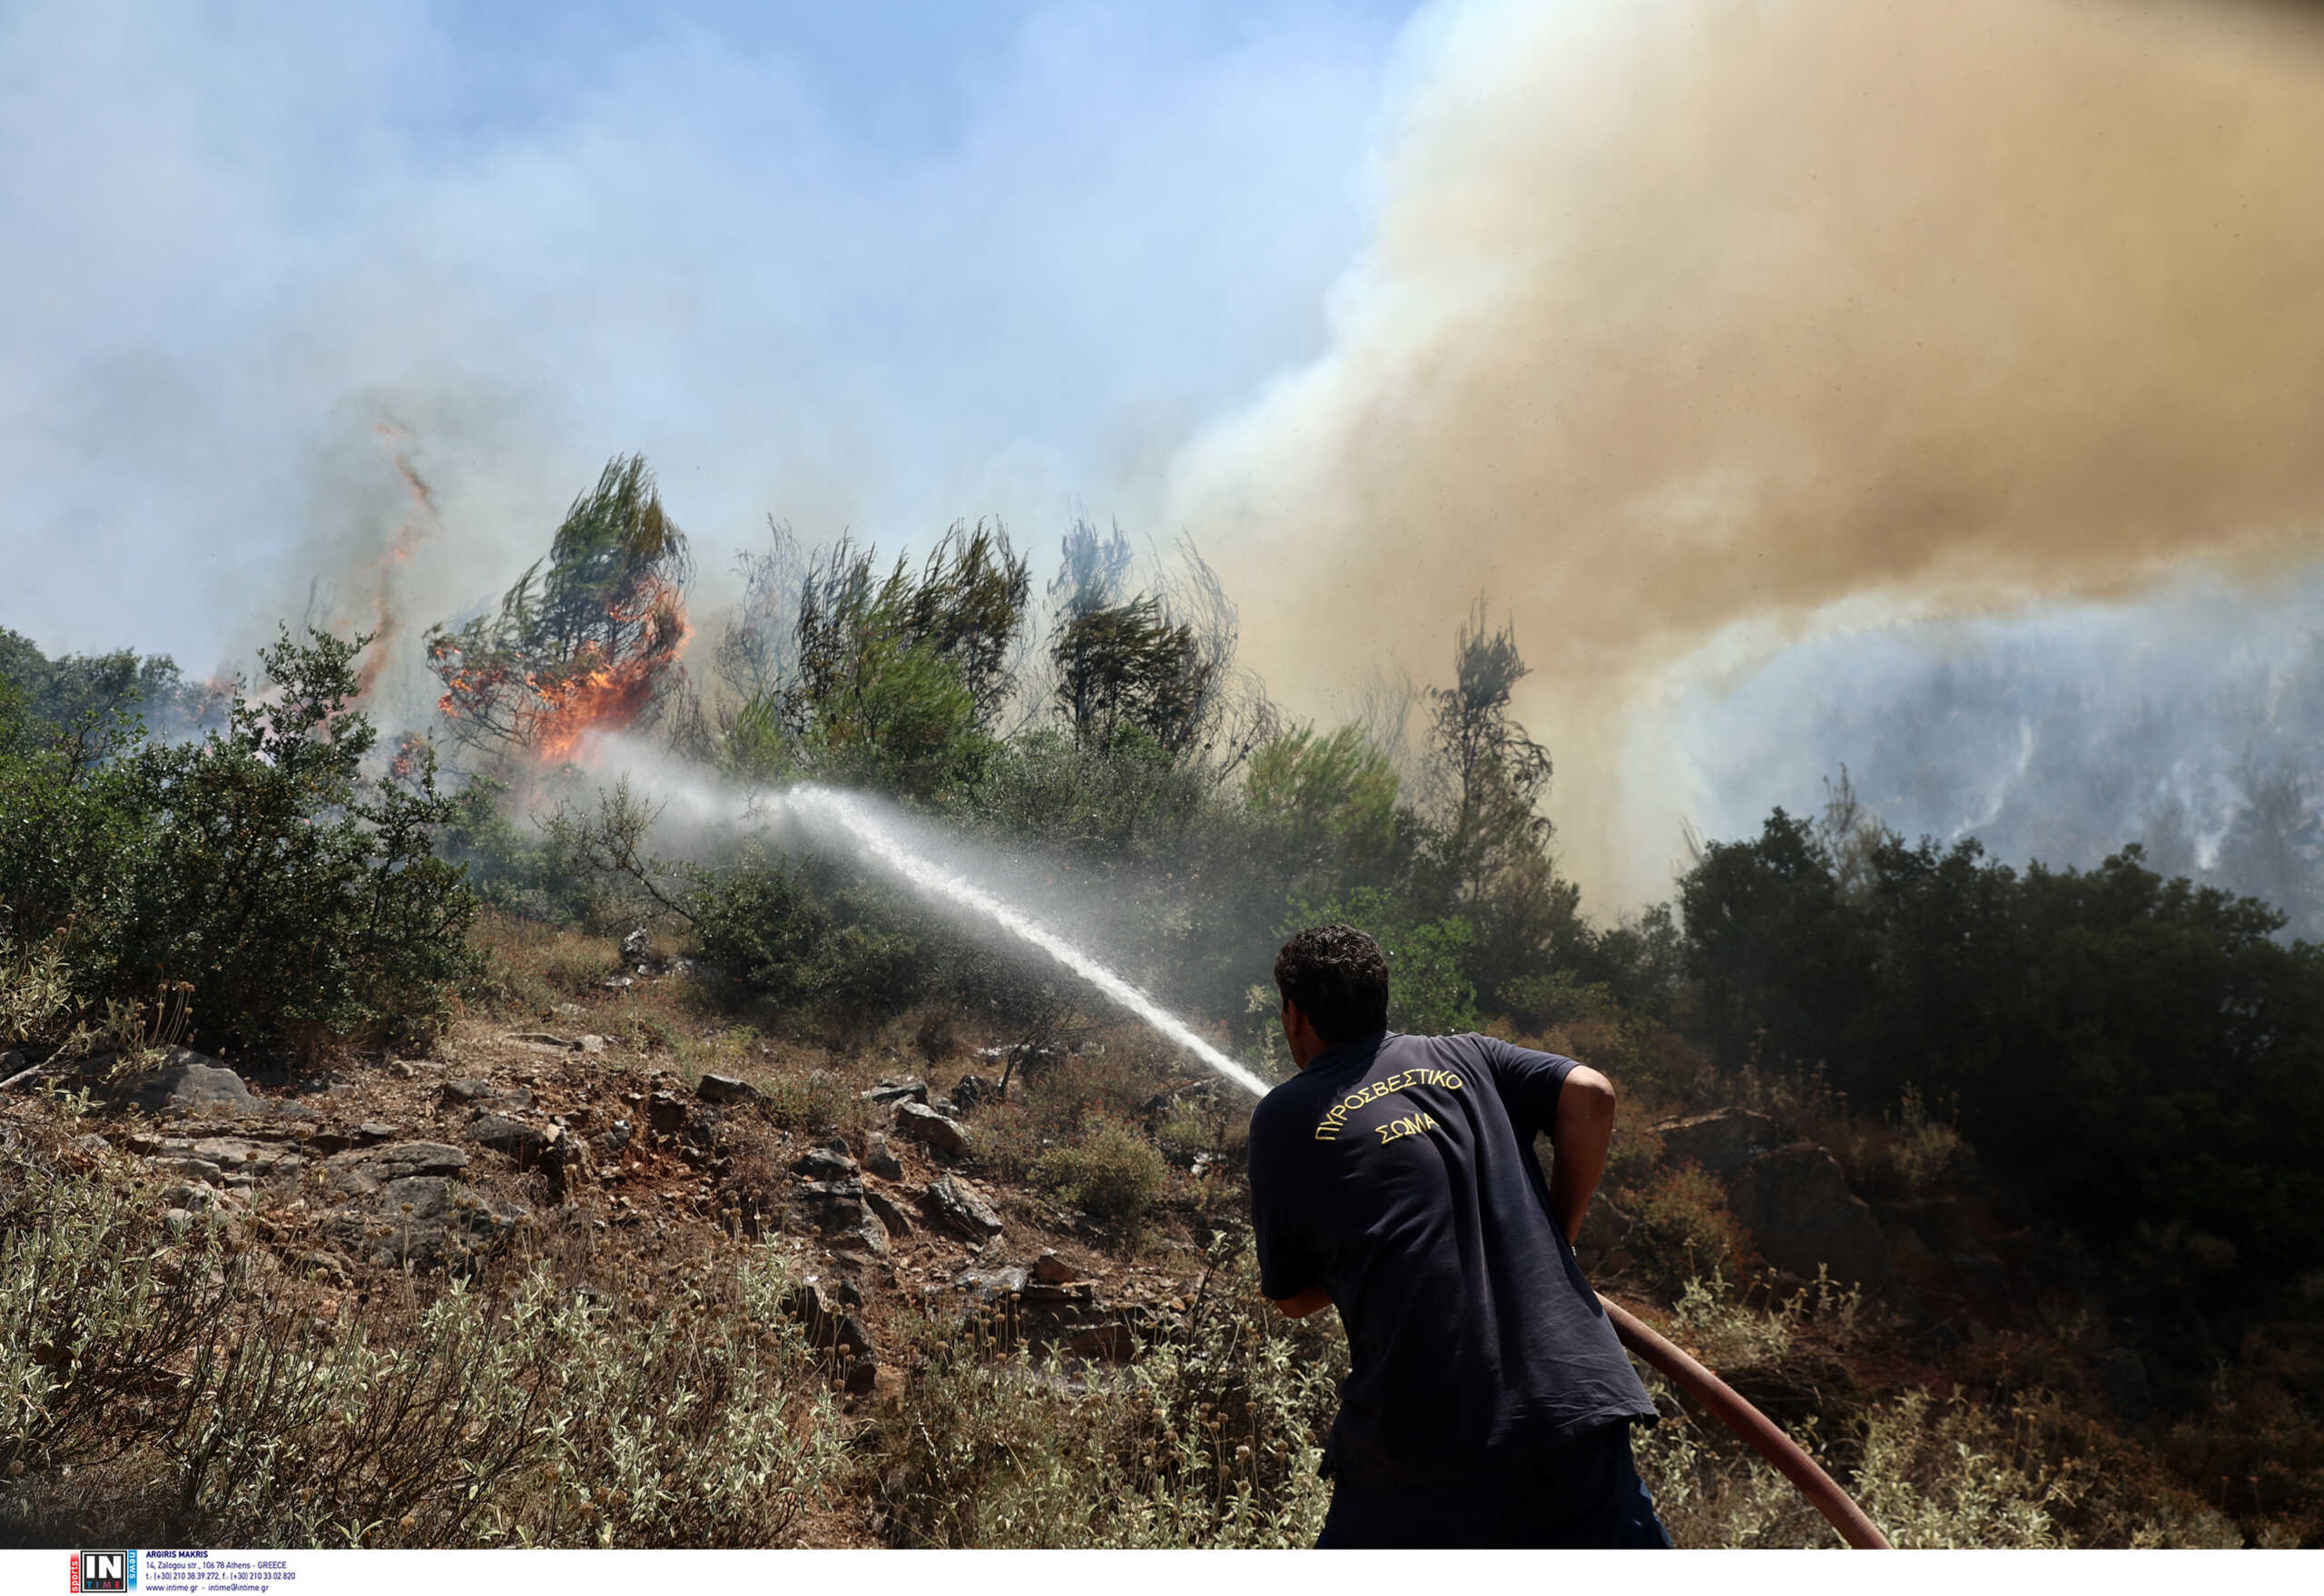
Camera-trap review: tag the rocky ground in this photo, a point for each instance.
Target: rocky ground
(619, 1123)
(508, 1138)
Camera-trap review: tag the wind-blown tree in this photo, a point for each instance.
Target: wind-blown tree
(1487, 844)
(1157, 663)
(1128, 667)
(759, 651)
(586, 639)
(894, 681)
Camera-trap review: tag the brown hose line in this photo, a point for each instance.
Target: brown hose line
(1753, 1425)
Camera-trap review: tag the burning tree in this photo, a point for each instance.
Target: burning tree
(590, 644)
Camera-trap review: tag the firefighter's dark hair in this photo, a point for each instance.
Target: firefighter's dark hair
(1338, 976)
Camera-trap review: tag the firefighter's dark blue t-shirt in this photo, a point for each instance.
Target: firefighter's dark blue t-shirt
(1397, 1173)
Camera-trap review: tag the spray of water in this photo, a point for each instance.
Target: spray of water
(862, 825)
(831, 813)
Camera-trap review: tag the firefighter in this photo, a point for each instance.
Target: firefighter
(1488, 1402)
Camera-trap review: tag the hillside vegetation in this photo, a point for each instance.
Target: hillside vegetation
(605, 1185)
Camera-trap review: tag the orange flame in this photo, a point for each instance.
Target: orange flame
(596, 692)
(419, 522)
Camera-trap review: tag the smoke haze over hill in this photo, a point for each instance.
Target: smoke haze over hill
(1685, 332)
(1685, 323)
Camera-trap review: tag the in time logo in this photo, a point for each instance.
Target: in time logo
(105, 1570)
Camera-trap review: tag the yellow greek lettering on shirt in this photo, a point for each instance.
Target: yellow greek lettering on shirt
(1335, 1118)
(1410, 1125)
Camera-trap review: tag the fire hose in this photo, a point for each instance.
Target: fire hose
(1739, 1415)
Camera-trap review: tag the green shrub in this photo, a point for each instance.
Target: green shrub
(299, 900)
(803, 935)
(1109, 1170)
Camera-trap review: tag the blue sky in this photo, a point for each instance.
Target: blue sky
(875, 265)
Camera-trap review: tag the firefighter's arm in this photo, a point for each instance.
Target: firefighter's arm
(1579, 1134)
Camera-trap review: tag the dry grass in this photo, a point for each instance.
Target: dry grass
(232, 1402)
(242, 1369)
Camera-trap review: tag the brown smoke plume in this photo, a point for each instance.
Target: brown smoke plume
(1687, 321)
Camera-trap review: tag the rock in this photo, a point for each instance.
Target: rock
(590, 1042)
(924, 1125)
(889, 1212)
(724, 1088)
(832, 1205)
(960, 1206)
(191, 1169)
(946, 1106)
(992, 1284)
(850, 1294)
(823, 1164)
(91, 1144)
(897, 1090)
(870, 1238)
(1721, 1142)
(376, 1130)
(611, 1140)
(827, 1325)
(1020, 1055)
(1043, 1294)
(542, 1039)
(863, 1377)
(193, 1195)
(530, 1145)
(880, 1159)
(1111, 1342)
(1051, 1269)
(469, 1092)
(190, 1083)
(428, 1221)
(406, 1160)
(1796, 1205)
(636, 945)
(666, 1112)
(1177, 1098)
